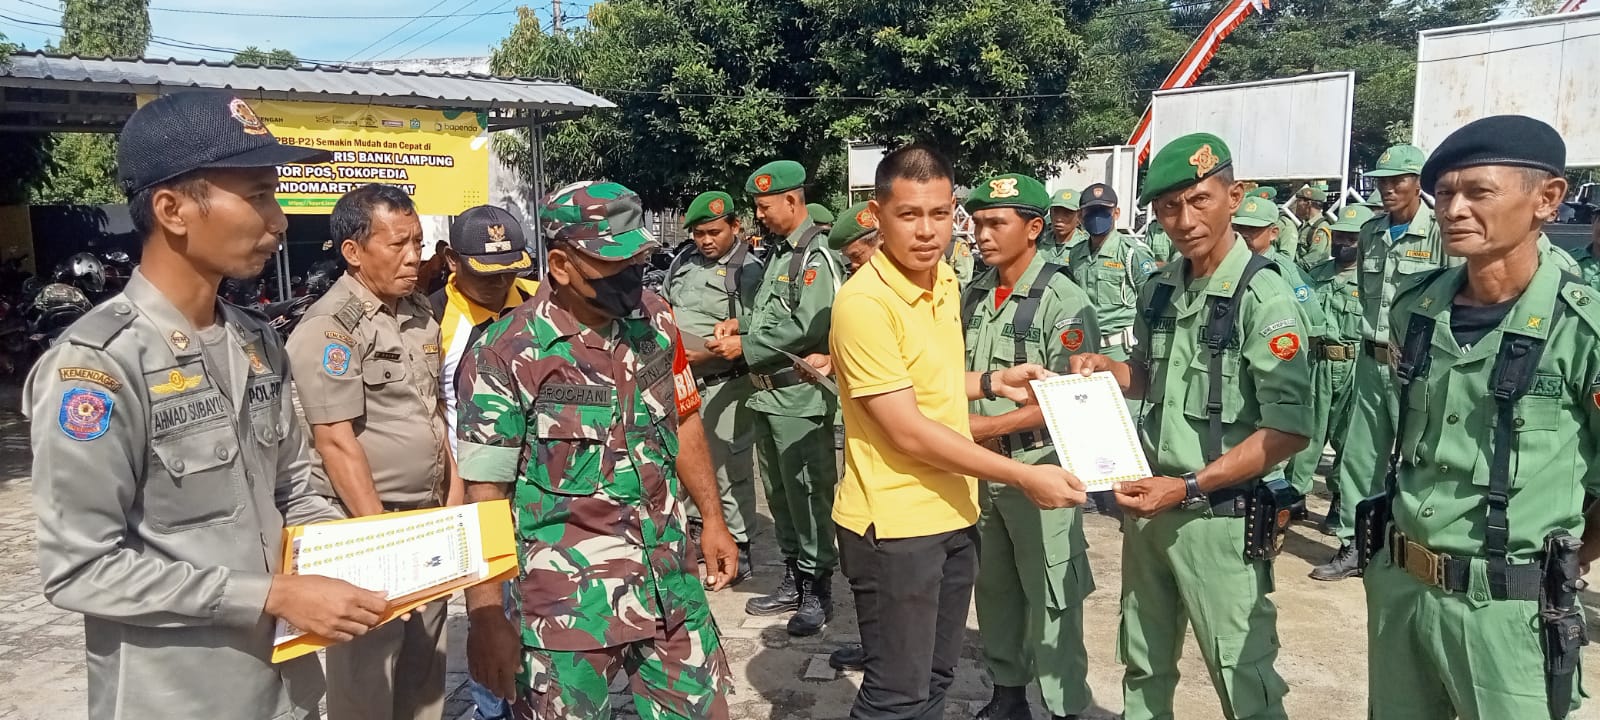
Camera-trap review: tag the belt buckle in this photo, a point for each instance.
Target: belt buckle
(1424, 564)
(761, 382)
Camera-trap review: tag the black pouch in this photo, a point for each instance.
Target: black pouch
(1372, 527)
(1272, 506)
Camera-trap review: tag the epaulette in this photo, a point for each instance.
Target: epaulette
(349, 315)
(1583, 300)
(98, 328)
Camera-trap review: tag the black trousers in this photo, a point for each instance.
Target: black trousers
(912, 597)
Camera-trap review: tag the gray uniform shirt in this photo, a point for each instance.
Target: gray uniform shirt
(161, 504)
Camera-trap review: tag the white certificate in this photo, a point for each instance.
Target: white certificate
(1094, 435)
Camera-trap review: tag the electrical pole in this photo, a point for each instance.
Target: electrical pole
(555, 15)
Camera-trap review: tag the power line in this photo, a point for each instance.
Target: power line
(454, 30)
(391, 33)
(412, 36)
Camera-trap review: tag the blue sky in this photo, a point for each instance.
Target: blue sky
(455, 33)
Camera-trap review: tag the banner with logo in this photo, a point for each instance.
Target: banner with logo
(438, 157)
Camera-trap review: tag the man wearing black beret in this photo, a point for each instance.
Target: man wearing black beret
(1498, 379)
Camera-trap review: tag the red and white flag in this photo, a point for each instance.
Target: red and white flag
(1188, 69)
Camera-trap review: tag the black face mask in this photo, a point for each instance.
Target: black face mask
(617, 296)
(1345, 254)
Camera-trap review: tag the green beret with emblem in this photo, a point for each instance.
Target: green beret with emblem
(1255, 212)
(778, 176)
(856, 222)
(604, 220)
(1066, 199)
(1183, 163)
(1399, 160)
(708, 206)
(1012, 190)
(1351, 218)
(819, 213)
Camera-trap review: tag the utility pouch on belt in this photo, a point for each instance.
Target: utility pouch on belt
(1372, 526)
(1272, 506)
(1561, 625)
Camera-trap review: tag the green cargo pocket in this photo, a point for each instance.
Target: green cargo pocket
(1069, 582)
(1250, 684)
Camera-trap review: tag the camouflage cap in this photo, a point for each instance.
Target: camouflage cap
(1265, 192)
(778, 176)
(1399, 160)
(820, 214)
(856, 222)
(708, 206)
(1066, 199)
(601, 219)
(1011, 190)
(1255, 212)
(1184, 162)
(1351, 218)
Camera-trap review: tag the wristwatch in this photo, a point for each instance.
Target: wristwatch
(986, 384)
(1193, 497)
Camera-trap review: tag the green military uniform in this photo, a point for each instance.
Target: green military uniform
(1315, 238)
(794, 419)
(1112, 275)
(582, 422)
(1160, 244)
(703, 292)
(1588, 265)
(1187, 565)
(1033, 570)
(1055, 249)
(1339, 297)
(961, 259)
(1392, 256)
(1288, 226)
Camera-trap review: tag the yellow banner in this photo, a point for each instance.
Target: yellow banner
(438, 157)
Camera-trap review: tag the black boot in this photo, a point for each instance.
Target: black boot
(1343, 565)
(1330, 522)
(849, 657)
(1008, 703)
(785, 599)
(816, 604)
(746, 566)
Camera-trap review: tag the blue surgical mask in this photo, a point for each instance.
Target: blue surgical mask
(1097, 221)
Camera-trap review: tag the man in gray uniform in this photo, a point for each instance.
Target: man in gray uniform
(167, 458)
(366, 367)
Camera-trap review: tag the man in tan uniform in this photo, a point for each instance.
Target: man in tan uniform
(366, 366)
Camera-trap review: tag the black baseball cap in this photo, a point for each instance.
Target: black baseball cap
(179, 133)
(490, 242)
(1097, 195)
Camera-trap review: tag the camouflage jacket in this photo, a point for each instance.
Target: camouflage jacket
(585, 423)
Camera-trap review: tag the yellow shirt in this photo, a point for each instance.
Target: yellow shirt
(889, 334)
(461, 323)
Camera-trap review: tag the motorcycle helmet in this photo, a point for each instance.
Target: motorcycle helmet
(57, 306)
(83, 271)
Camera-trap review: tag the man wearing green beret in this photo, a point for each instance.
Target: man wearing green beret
(1310, 206)
(1221, 365)
(855, 236)
(1398, 245)
(1474, 562)
(1256, 221)
(710, 281)
(1339, 297)
(1065, 226)
(1033, 570)
(794, 419)
(820, 215)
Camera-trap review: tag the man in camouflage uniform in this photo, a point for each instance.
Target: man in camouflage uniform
(580, 407)
(713, 279)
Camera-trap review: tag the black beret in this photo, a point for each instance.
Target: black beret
(1516, 140)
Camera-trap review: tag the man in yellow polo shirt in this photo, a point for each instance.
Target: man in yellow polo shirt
(907, 507)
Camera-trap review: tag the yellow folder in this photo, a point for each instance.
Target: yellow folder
(499, 553)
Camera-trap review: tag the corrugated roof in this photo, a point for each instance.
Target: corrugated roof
(318, 83)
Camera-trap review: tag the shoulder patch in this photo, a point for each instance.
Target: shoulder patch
(1072, 339)
(1147, 266)
(85, 414)
(83, 374)
(340, 337)
(336, 359)
(1279, 325)
(1302, 293)
(1285, 346)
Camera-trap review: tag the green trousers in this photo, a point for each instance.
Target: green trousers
(1187, 567)
(1341, 375)
(1033, 575)
(1433, 654)
(731, 439)
(799, 471)
(1302, 468)
(1365, 452)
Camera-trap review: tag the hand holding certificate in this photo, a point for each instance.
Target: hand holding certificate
(1094, 435)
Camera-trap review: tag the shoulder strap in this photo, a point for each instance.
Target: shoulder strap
(1415, 358)
(349, 315)
(672, 269)
(1028, 307)
(102, 325)
(797, 261)
(1220, 329)
(971, 295)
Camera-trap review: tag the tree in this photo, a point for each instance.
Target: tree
(84, 171)
(24, 157)
(708, 89)
(277, 57)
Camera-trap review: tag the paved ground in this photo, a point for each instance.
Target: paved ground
(1322, 628)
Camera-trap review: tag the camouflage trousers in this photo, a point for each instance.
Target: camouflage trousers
(680, 674)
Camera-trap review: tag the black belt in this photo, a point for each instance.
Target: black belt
(1230, 502)
(1022, 441)
(1381, 352)
(1454, 574)
(781, 379)
(716, 379)
(1336, 351)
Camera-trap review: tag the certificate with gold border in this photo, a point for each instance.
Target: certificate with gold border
(1094, 435)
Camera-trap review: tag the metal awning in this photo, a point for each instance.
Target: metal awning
(41, 92)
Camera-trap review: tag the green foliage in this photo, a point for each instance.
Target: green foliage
(277, 57)
(24, 157)
(84, 168)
